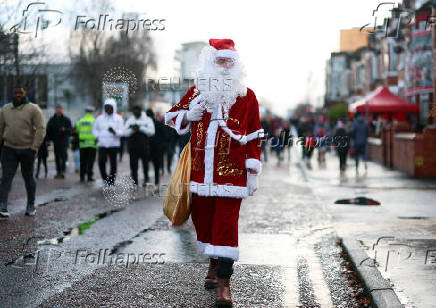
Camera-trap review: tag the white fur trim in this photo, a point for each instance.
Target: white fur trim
(226, 53)
(217, 190)
(255, 135)
(222, 251)
(240, 138)
(209, 148)
(201, 245)
(169, 118)
(176, 124)
(255, 164)
(179, 119)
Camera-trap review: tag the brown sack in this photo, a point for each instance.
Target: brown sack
(177, 202)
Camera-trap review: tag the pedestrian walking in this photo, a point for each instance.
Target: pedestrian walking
(22, 128)
(359, 131)
(341, 141)
(42, 157)
(87, 144)
(305, 130)
(138, 128)
(157, 144)
(225, 158)
(58, 131)
(108, 129)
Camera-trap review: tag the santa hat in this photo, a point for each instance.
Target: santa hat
(224, 48)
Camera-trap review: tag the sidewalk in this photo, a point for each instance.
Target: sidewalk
(399, 236)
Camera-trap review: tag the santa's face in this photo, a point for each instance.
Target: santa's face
(220, 79)
(226, 63)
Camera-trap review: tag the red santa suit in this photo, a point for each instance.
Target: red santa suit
(223, 146)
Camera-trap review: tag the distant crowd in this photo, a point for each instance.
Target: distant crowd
(25, 136)
(312, 132)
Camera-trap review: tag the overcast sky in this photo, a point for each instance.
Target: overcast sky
(282, 43)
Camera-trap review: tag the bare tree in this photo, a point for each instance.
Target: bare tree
(99, 52)
(17, 49)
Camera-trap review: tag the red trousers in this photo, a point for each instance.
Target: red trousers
(216, 223)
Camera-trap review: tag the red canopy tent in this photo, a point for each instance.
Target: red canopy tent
(383, 101)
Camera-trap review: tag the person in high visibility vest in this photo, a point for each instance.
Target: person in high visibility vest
(87, 144)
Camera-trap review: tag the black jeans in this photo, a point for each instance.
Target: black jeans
(102, 157)
(87, 159)
(10, 159)
(170, 154)
(342, 160)
(157, 165)
(60, 152)
(135, 156)
(42, 159)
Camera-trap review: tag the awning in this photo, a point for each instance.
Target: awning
(382, 100)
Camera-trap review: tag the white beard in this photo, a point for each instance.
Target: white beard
(217, 84)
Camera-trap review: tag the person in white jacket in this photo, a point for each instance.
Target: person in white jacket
(138, 128)
(108, 129)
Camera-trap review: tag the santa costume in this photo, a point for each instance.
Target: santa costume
(222, 116)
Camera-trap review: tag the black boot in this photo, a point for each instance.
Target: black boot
(211, 280)
(224, 272)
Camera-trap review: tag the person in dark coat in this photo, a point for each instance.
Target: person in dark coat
(157, 145)
(59, 130)
(139, 128)
(342, 143)
(359, 131)
(42, 157)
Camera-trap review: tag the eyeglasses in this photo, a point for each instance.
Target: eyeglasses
(222, 61)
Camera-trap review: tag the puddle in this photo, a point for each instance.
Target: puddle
(122, 245)
(76, 231)
(57, 199)
(71, 233)
(358, 201)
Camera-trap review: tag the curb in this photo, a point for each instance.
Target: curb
(379, 289)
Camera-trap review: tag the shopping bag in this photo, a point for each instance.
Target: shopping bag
(177, 201)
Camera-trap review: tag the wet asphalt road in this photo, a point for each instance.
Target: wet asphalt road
(82, 251)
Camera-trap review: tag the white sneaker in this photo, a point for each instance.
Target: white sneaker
(30, 213)
(4, 214)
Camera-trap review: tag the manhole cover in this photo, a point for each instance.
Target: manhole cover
(358, 201)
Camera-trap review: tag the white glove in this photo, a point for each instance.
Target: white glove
(195, 113)
(252, 183)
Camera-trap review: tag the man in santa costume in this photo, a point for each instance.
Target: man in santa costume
(223, 118)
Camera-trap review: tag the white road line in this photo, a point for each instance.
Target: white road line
(290, 280)
(319, 284)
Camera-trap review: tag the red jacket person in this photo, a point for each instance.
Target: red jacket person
(223, 118)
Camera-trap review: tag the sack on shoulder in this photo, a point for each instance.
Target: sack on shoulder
(177, 202)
